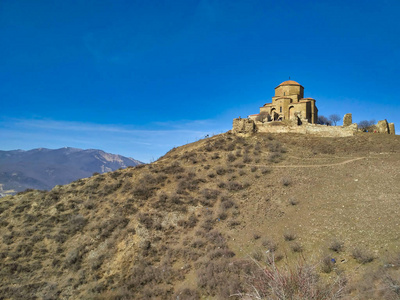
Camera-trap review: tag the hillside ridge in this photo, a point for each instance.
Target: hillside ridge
(188, 224)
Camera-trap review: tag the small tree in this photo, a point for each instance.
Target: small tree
(364, 124)
(323, 120)
(334, 118)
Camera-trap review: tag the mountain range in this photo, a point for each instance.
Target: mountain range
(45, 168)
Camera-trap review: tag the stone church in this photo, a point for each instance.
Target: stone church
(289, 104)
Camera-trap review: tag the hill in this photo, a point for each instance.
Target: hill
(274, 216)
(45, 168)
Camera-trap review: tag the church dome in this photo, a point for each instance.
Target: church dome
(289, 82)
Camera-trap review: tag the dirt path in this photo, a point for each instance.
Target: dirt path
(314, 166)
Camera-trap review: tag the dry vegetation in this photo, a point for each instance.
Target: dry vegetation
(265, 217)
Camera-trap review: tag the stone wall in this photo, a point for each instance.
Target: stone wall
(347, 120)
(246, 126)
(307, 128)
(391, 128)
(250, 126)
(382, 126)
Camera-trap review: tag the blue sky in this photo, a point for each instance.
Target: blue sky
(139, 77)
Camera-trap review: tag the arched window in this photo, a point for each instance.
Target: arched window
(281, 109)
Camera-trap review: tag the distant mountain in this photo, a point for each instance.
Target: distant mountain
(45, 168)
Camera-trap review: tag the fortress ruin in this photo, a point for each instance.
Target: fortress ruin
(289, 111)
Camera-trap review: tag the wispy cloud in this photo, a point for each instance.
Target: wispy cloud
(140, 143)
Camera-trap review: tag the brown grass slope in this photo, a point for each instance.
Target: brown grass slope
(186, 225)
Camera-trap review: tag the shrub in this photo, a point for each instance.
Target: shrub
(174, 168)
(189, 223)
(274, 157)
(210, 194)
(234, 186)
(187, 294)
(222, 215)
(289, 236)
(76, 223)
(221, 185)
(207, 223)
(226, 203)
(246, 159)
(265, 171)
(220, 170)
(253, 169)
(296, 247)
(231, 157)
(231, 147)
(215, 156)
(208, 147)
(362, 256)
(336, 246)
(327, 264)
(188, 183)
(286, 181)
(234, 223)
(256, 236)
(143, 192)
(270, 244)
(257, 255)
(300, 281)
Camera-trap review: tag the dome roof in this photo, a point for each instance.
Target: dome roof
(289, 82)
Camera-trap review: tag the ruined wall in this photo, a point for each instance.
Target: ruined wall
(246, 126)
(391, 128)
(347, 120)
(307, 128)
(382, 126)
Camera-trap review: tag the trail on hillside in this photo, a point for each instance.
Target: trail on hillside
(315, 166)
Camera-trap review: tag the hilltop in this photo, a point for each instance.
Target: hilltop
(200, 221)
(43, 168)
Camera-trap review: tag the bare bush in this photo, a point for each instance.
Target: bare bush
(187, 294)
(336, 246)
(327, 264)
(296, 247)
(231, 157)
(270, 244)
(256, 236)
(210, 194)
(246, 159)
(362, 255)
(289, 236)
(291, 282)
(286, 181)
(265, 171)
(365, 124)
(234, 186)
(220, 170)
